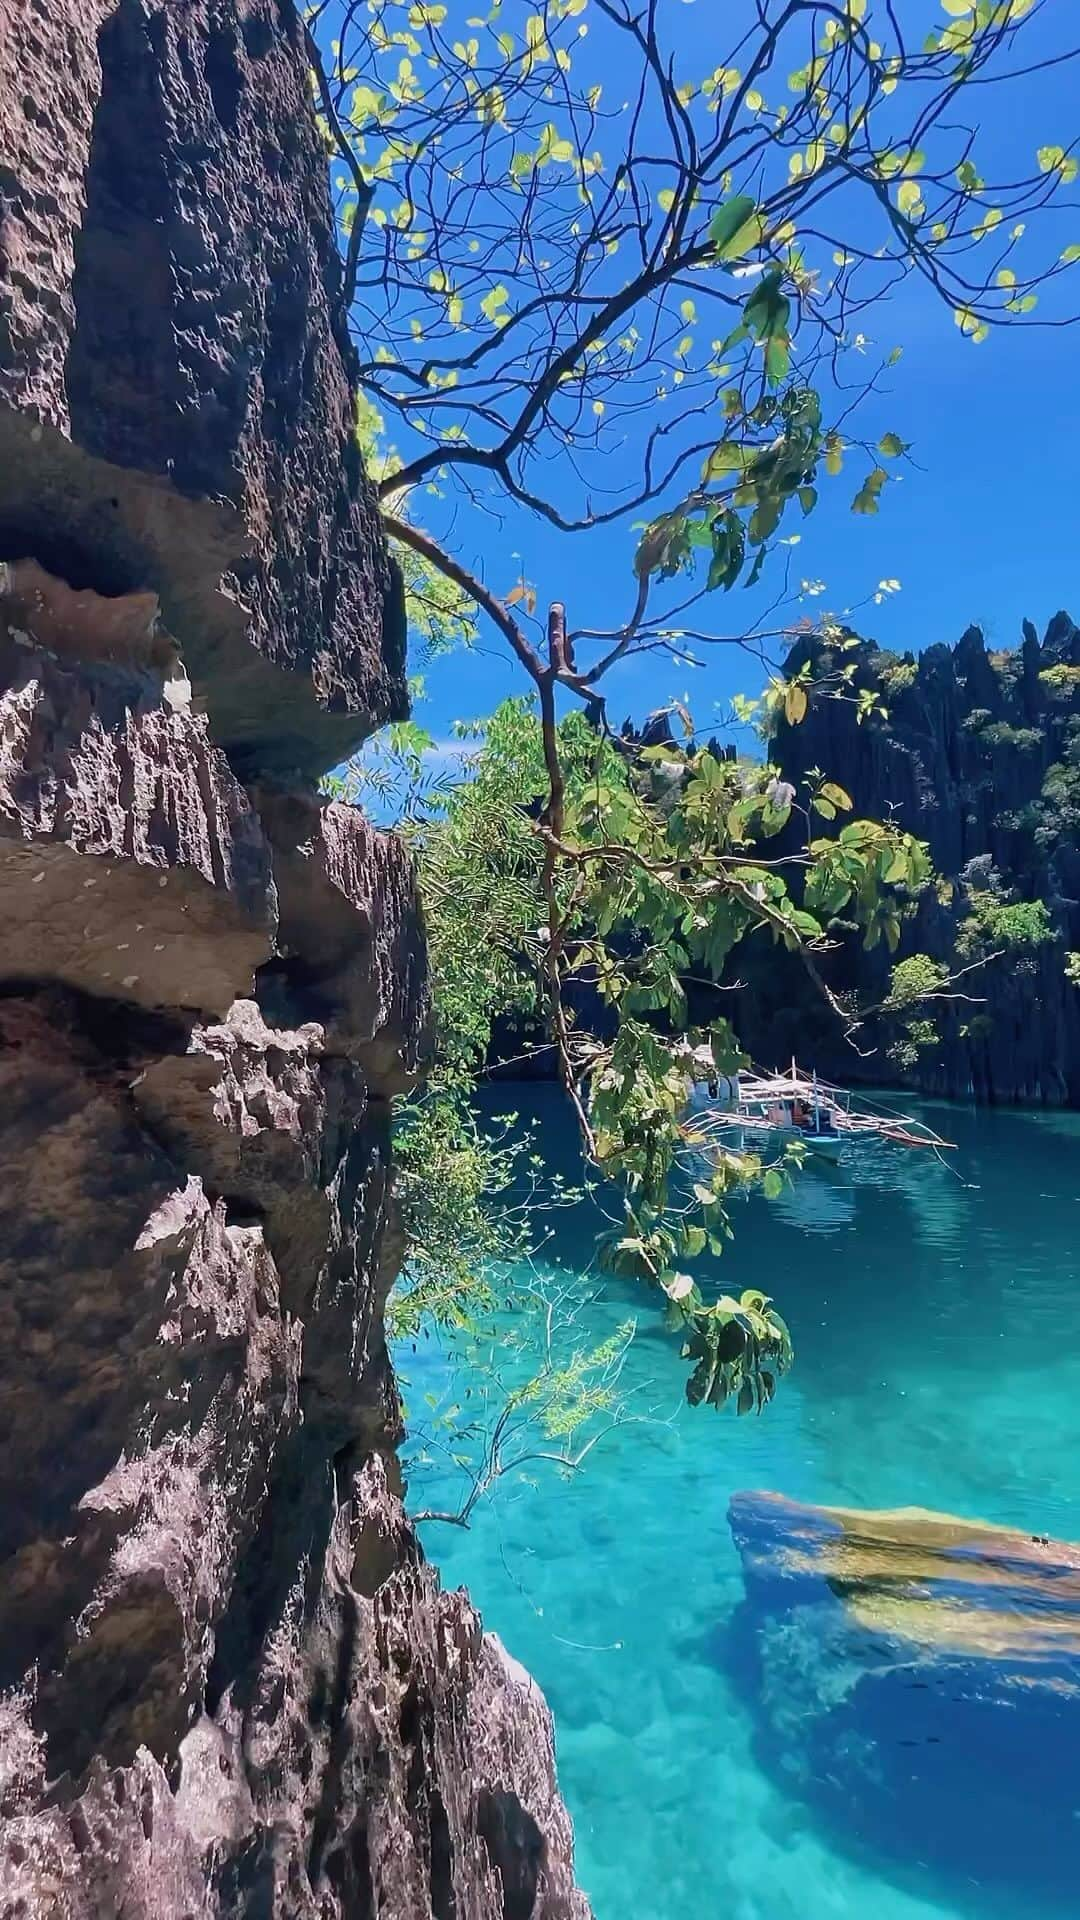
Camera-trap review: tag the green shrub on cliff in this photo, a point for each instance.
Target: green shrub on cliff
(996, 925)
(999, 733)
(913, 981)
(1061, 679)
(895, 675)
(1059, 802)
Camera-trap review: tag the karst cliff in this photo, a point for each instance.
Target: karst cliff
(977, 751)
(231, 1684)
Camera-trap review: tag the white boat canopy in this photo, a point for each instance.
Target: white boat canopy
(802, 1103)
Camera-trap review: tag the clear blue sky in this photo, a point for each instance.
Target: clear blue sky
(984, 527)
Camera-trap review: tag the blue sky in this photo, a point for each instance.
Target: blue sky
(983, 526)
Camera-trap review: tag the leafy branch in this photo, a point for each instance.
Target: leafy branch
(582, 308)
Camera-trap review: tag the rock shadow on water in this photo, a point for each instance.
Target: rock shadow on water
(915, 1681)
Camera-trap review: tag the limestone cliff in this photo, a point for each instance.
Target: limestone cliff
(978, 752)
(230, 1685)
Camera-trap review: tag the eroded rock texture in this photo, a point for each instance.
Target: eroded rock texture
(173, 365)
(229, 1685)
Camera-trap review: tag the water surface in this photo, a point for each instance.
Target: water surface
(936, 1318)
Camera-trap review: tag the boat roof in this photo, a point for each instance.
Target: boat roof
(795, 1084)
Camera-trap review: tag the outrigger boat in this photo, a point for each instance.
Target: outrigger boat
(756, 1110)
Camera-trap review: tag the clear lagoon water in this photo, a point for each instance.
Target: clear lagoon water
(936, 1317)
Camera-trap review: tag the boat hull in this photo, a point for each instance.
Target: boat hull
(773, 1140)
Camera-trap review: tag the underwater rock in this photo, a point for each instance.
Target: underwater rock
(917, 1677)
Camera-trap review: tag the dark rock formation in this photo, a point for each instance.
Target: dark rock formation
(174, 371)
(979, 755)
(229, 1685)
(918, 1677)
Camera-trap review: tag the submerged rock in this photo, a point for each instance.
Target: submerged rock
(918, 1677)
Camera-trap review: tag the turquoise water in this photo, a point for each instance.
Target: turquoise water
(936, 1319)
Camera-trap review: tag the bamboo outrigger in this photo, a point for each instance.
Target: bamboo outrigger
(796, 1106)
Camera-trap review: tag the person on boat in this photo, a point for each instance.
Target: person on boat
(801, 1115)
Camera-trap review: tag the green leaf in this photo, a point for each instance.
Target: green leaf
(739, 817)
(492, 304)
(868, 498)
(755, 571)
(727, 1055)
(768, 310)
(729, 551)
(765, 519)
(729, 457)
(773, 1184)
(840, 799)
(795, 703)
(991, 218)
(826, 892)
(778, 359)
(735, 227)
(891, 446)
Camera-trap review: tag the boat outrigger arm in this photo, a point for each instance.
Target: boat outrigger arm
(802, 1105)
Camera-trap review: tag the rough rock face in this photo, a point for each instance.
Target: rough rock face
(979, 756)
(176, 407)
(918, 1677)
(229, 1685)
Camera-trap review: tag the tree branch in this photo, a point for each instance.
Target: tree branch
(365, 189)
(470, 583)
